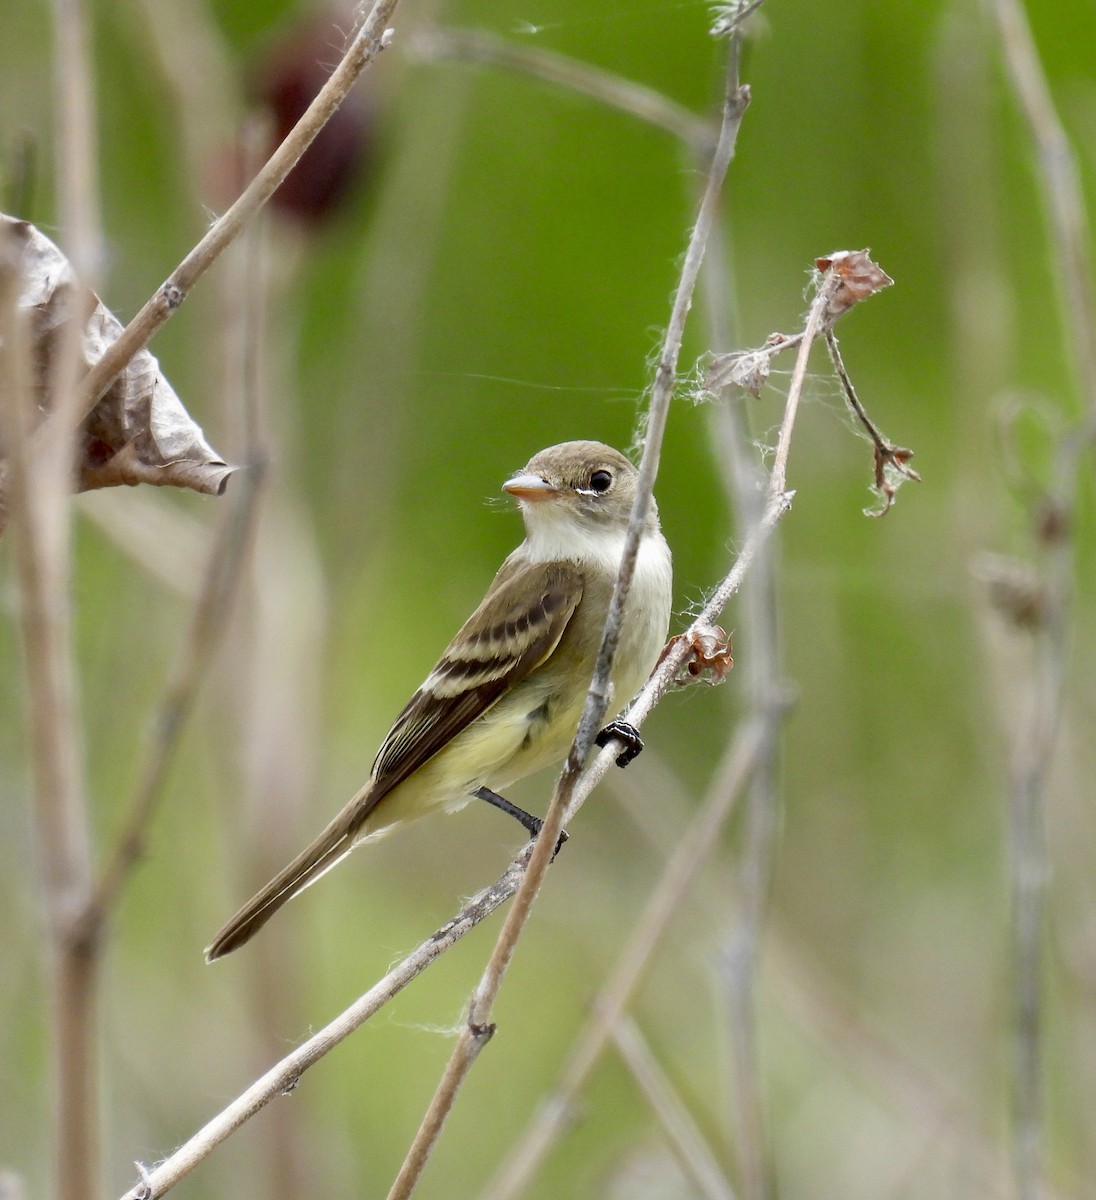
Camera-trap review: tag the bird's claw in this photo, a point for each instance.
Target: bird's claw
(563, 836)
(625, 733)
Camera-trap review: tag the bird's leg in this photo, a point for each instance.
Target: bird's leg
(624, 733)
(528, 822)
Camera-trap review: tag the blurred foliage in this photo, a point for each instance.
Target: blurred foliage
(497, 284)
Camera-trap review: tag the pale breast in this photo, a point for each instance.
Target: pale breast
(646, 619)
(552, 698)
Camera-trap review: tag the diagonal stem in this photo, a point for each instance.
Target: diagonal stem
(478, 1028)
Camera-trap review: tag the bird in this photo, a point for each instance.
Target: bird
(505, 698)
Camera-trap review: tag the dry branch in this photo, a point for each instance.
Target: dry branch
(477, 1028)
(850, 276)
(645, 104)
(686, 1140)
(38, 497)
(284, 1075)
(1053, 525)
(372, 37)
(616, 993)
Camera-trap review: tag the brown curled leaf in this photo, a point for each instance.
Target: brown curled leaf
(139, 431)
(891, 467)
(860, 278)
(709, 650)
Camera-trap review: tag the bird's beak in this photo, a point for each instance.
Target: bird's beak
(530, 487)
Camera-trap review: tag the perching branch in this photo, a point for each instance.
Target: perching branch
(477, 1029)
(614, 996)
(285, 1075)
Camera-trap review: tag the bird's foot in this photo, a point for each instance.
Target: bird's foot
(532, 825)
(622, 732)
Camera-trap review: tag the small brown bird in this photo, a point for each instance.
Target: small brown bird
(506, 695)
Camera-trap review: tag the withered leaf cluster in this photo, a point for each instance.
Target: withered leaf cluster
(139, 431)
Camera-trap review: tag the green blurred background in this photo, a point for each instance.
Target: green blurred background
(498, 283)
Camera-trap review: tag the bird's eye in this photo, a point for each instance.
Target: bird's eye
(601, 481)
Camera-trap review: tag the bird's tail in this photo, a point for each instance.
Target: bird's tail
(336, 841)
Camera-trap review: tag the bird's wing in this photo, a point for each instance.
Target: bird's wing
(516, 627)
(513, 631)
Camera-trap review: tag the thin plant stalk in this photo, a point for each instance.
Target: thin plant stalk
(284, 1076)
(478, 1029)
(614, 996)
(1038, 733)
(743, 480)
(625, 95)
(38, 504)
(687, 1142)
(38, 495)
(371, 37)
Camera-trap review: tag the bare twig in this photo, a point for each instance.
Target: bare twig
(635, 99)
(37, 494)
(38, 501)
(826, 291)
(1054, 537)
(688, 1143)
(285, 1074)
(1062, 193)
(846, 278)
(478, 1028)
(210, 615)
(744, 483)
(615, 994)
(891, 461)
(365, 45)
(730, 15)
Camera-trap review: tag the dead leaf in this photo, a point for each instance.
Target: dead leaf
(139, 431)
(860, 278)
(709, 650)
(892, 466)
(745, 369)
